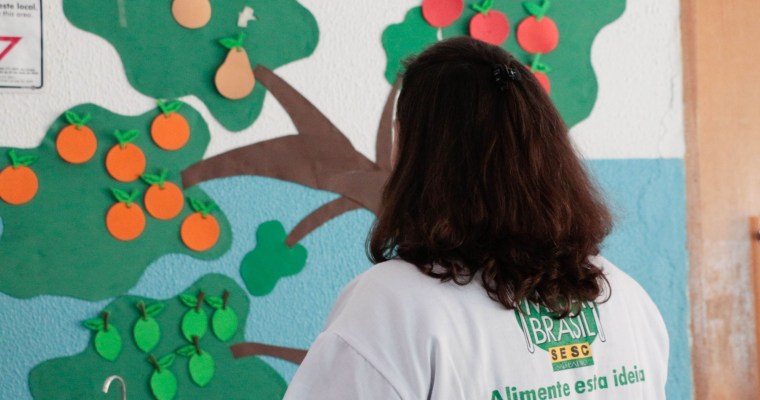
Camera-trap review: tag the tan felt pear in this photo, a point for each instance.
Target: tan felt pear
(234, 78)
(191, 14)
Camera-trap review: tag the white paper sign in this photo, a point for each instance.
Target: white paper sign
(21, 44)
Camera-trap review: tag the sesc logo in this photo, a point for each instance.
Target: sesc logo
(567, 340)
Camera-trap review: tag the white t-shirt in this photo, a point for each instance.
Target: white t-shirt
(396, 333)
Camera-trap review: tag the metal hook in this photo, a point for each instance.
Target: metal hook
(107, 385)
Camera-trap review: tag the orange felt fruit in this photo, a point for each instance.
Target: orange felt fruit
(18, 185)
(164, 203)
(198, 232)
(76, 145)
(125, 222)
(125, 164)
(170, 132)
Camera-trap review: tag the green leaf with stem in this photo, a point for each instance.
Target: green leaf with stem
(484, 7)
(538, 11)
(126, 137)
(169, 107)
(233, 42)
(204, 208)
(125, 197)
(74, 119)
(156, 179)
(17, 160)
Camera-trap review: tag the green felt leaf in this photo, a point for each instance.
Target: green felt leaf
(186, 351)
(534, 9)
(573, 87)
(125, 197)
(215, 301)
(126, 137)
(108, 343)
(164, 60)
(163, 384)
(229, 43)
(201, 368)
(95, 324)
(166, 361)
(152, 310)
(189, 300)
(271, 260)
(147, 334)
(224, 323)
(194, 323)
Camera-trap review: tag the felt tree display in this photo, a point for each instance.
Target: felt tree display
(319, 156)
(75, 230)
(174, 51)
(536, 43)
(159, 361)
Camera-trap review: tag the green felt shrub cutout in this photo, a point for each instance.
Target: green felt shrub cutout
(572, 80)
(59, 244)
(203, 368)
(271, 260)
(162, 59)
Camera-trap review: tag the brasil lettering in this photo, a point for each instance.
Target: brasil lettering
(567, 340)
(562, 390)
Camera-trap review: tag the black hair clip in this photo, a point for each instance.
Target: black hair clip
(503, 74)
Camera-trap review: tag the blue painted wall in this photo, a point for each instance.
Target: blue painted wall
(649, 242)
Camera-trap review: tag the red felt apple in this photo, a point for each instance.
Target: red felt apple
(489, 25)
(442, 13)
(537, 34)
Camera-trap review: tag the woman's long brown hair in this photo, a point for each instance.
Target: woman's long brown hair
(487, 180)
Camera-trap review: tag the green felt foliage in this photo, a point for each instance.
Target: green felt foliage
(214, 374)
(162, 59)
(58, 244)
(271, 260)
(573, 81)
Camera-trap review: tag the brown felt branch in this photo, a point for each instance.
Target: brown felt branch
(249, 349)
(384, 139)
(307, 118)
(319, 217)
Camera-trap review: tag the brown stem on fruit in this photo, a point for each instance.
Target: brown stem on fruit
(384, 139)
(155, 363)
(105, 321)
(225, 297)
(199, 300)
(197, 345)
(320, 216)
(141, 307)
(241, 350)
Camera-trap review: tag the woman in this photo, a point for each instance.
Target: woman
(488, 284)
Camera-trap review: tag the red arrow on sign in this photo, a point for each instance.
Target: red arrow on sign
(13, 41)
